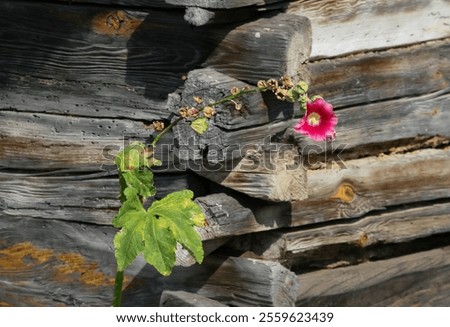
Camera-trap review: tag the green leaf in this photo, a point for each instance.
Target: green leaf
(156, 232)
(180, 213)
(141, 180)
(134, 164)
(200, 125)
(133, 156)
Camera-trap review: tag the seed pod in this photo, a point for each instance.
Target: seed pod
(158, 125)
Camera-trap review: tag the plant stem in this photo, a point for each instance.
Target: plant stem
(223, 100)
(234, 96)
(165, 130)
(118, 282)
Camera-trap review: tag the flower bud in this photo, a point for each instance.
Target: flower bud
(209, 111)
(235, 90)
(183, 112)
(192, 112)
(198, 99)
(287, 83)
(262, 85)
(272, 84)
(301, 87)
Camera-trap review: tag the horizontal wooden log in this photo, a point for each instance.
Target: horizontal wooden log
(127, 3)
(351, 191)
(123, 48)
(217, 145)
(273, 173)
(95, 44)
(373, 183)
(54, 263)
(220, 4)
(342, 27)
(77, 98)
(231, 281)
(365, 185)
(315, 245)
(383, 124)
(420, 279)
(46, 141)
(198, 16)
(378, 76)
(186, 299)
(245, 48)
(49, 263)
(256, 108)
(90, 198)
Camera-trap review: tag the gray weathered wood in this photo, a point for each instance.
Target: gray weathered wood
(90, 198)
(381, 75)
(186, 299)
(56, 263)
(198, 16)
(361, 186)
(342, 27)
(420, 279)
(220, 4)
(127, 3)
(47, 141)
(95, 99)
(246, 47)
(216, 144)
(257, 108)
(274, 173)
(49, 262)
(367, 184)
(315, 244)
(123, 48)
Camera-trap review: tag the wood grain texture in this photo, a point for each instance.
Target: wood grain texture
(382, 75)
(273, 173)
(186, 299)
(245, 47)
(256, 108)
(220, 3)
(367, 184)
(360, 187)
(56, 263)
(315, 244)
(218, 145)
(342, 27)
(420, 279)
(90, 198)
(47, 141)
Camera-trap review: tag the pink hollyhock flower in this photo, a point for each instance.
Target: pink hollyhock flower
(319, 121)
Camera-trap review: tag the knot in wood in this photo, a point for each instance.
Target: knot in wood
(115, 20)
(345, 193)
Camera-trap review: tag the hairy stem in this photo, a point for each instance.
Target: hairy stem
(118, 282)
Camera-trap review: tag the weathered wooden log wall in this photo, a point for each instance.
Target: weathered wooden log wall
(363, 220)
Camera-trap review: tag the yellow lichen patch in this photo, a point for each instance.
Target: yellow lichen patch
(115, 23)
(22, 255)
(5, 304)
(345, 193)
(75, 266)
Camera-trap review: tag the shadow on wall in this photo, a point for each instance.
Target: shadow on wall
(164, 48)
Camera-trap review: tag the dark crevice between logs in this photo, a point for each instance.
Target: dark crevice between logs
(339, 255)
(338, 156)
